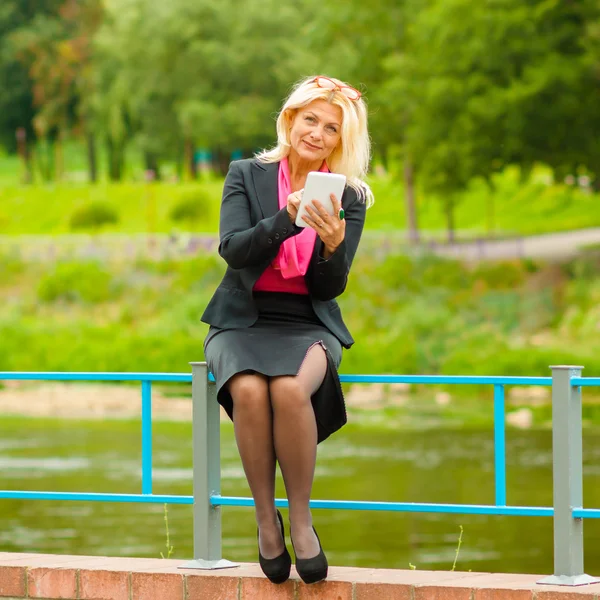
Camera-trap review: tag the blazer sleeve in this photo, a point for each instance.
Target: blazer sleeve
(241, 243)
(327, 279)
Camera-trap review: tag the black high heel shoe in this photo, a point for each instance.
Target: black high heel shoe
(276, 569)
(312, 570)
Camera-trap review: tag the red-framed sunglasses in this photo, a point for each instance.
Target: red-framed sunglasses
(329, 84)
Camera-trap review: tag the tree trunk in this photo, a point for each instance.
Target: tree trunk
(24, 153)
(221, 160)
(92, 158)
(59, 163)
(385, 157)
(180, 162)
(115, 160)
(191, 171)
(450, 220)
(411, 207)
(152, 165)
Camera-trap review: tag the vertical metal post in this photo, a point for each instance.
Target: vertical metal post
(568, 479)
(146, 437)
(499, 445)
(207, 473)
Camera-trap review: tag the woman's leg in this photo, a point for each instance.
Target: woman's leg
(295, 434)
(253, 425)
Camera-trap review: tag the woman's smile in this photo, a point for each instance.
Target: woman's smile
(312, 146)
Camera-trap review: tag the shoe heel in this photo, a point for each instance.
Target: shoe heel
(312, 570)
(276, 569)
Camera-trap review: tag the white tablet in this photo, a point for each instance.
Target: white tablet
(319, 186)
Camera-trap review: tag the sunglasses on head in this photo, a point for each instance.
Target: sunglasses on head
(329, 84)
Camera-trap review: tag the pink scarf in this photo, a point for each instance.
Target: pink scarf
(295, 253)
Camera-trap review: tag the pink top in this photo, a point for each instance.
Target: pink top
(286, 272)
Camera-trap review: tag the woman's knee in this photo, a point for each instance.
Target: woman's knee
(286, 392)
(248, 390)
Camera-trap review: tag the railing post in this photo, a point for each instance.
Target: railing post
(499, 445)
(567, 459)
(146, 437)
(207, 473)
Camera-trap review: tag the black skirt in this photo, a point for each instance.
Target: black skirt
(276, 345)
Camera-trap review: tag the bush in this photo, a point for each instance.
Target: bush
(191, 207)
(93, 216)
(76, 282)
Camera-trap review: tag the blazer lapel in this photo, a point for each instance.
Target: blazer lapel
(266, 187)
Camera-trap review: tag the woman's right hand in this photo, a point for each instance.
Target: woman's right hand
(293, 203)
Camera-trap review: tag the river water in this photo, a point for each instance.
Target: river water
(359, 463)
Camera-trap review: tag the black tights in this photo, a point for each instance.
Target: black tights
(274, 421)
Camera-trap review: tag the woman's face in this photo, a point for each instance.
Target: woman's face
(316, 130)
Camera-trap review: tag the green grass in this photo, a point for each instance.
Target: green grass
(535, 205)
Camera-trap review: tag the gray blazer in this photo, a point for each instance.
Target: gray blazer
(252, 228)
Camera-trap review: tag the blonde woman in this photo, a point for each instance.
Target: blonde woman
(276, 334)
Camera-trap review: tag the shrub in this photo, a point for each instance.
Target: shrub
(73, 282)
(191, 207)
(93, 216)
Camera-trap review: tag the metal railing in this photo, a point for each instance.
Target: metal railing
(567, 509)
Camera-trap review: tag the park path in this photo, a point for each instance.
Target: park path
(49, 248)
(550, 246)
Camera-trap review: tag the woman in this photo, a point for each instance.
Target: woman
(276, 334)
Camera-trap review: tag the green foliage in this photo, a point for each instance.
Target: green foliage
(93, 216)
(191, 208)
(421, 315)
(11, 265)
(170, 548)
(77, 282)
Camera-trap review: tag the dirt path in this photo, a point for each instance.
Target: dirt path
(98, 401)
(107, 246)
(87, 401)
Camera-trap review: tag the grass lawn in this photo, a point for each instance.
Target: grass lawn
(536, 205)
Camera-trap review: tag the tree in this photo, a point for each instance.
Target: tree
(16, 95)
(495, 83)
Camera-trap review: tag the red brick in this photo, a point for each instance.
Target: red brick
(12, 581)
(105, 585)
(157, 586)
(503, 594)
(52, 583)
(556, 592)
(260, 588)
(215, 588)
(440, 592)
(378, 591)
(330, 590)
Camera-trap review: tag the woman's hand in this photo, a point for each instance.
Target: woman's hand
(330, 228)
(293, 203)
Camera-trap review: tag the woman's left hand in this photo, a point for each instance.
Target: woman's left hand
(330, 228)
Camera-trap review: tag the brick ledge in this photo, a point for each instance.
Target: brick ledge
(103, 578)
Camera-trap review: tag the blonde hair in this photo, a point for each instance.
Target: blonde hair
(351, 156)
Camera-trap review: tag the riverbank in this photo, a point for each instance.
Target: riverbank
(392, 406)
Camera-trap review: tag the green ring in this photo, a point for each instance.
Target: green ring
(341, 214)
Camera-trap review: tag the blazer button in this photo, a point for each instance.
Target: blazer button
(284, 231)
(276, 236)
(270, 241)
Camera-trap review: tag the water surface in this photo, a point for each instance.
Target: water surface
(448, 465)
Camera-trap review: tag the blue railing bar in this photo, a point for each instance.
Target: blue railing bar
(83, 376)
(472, 509)
(95, 497)
(585, 381)
(586, 513)
(187, 378)
(447, 379)
(499, 445)
(146, 437)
